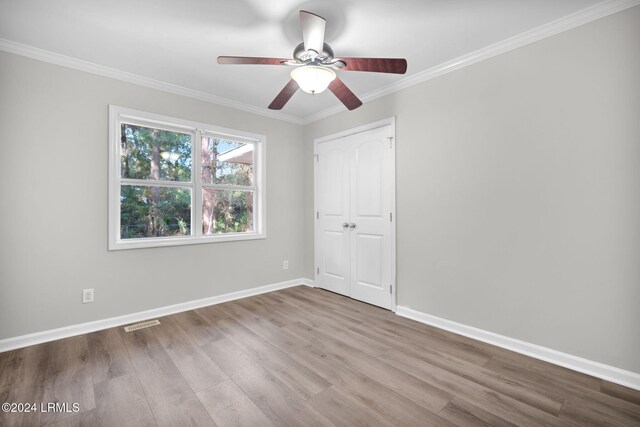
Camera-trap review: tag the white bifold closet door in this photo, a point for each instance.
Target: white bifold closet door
(354, 199)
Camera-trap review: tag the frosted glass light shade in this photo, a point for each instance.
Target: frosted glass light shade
(312, 78)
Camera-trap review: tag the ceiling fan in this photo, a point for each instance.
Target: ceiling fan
(315, 62)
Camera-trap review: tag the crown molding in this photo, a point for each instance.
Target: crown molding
(101, 70)
(552, 28)
(597, 11)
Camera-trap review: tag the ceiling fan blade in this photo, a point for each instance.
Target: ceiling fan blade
(251, 60)
(285, 94)
(312, 31)
(376, 65)
(344, 94)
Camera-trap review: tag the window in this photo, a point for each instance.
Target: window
(175, 182)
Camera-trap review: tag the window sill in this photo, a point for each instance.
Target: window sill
(181, 241)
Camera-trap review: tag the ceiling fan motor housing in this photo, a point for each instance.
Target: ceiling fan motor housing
(311, 56)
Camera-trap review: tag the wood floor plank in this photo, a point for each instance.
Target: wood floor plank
(266, 330)
(580, 395)
(265, 311)
(377, 397)
(423, 345)
(68, 378)
(495, 403)
(401, 330)
(168, 393)
(158, 375)
(24, 382)
(332, 303)
(108, 357)
(248, 312)
(278, 402)
(120, 401)
(86, 419)
(420, 392)
(369, 314)
(582, 413)
(296, 376)
(487, 378)
(200, 331)
(214, 316)
(230, 407)
(10, 365)
(357, 310)
(272, 298)
(186, 412)
(412, 339)
(462, 413)
(302, 302)
(343, 410)
(193, 363)
(339, 331)
(621, 392)
(603, 407)
(514, 389)
(227, 318)
(550, 371)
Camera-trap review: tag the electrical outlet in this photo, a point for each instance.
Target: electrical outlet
(285, 264)
(87, 295)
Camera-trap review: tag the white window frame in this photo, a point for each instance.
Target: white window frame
(117, 115)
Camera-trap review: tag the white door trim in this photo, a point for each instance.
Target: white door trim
(390, 121)
(359, 129)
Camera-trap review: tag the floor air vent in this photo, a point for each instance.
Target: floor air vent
(142, 325)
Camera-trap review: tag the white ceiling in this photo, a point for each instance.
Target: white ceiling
(178, 41)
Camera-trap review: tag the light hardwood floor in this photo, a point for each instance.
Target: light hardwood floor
(300, 357)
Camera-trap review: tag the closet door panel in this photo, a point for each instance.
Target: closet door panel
(332, 237)
(370, 215)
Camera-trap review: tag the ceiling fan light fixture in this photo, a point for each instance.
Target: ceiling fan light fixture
(312, 78)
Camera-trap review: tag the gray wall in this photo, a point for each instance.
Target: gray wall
(518, 191)
(53, 214)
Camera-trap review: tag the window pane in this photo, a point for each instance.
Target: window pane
(147, 153)
(154, 212)
(226, 211)
(227, 162)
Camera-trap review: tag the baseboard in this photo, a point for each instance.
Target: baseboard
(308, 282)
(83, 328)
(589, 367)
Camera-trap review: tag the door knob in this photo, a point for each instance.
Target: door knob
(345, 224)
(352, 225)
